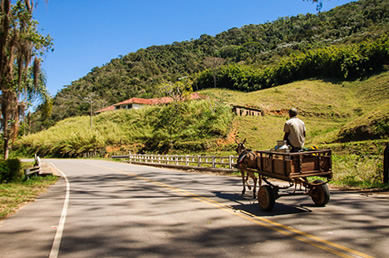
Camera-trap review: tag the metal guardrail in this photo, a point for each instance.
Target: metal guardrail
(36, 169)
(31, 171)
(183, 161)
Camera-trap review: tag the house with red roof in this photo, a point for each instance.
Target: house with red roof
(136, 103)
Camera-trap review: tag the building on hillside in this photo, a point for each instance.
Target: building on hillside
(247, 111)
(136, 103)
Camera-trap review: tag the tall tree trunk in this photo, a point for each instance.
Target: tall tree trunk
(9, 105)
(5, 116)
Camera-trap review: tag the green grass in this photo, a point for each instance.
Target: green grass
(15, 194)
(358, 171)
(332, 111)
(150, 129)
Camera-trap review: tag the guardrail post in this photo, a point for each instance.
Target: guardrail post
(230, 162)
(198, 160)
(213, 162)
(27, 173)
(187, 160)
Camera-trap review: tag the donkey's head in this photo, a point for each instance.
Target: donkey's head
(241, 147)
(247, 158)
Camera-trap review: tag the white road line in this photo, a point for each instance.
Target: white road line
(58, 235)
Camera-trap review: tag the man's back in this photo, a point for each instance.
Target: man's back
(295, 128)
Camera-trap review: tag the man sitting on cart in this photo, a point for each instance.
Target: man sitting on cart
(294, 130)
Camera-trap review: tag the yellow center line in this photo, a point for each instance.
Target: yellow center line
(283, 229)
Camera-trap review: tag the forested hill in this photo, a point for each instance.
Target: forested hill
(347, 42)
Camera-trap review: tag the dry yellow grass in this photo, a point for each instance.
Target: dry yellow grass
(326, 108)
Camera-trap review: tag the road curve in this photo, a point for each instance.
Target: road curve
(109, 209)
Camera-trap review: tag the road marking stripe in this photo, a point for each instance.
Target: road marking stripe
(58, 235)
(286, 230)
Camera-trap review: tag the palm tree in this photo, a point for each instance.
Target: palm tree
(20, 42)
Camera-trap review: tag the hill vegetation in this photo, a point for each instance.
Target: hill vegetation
(347, 42)
(334, 113)
(186, 126)
(351, 118)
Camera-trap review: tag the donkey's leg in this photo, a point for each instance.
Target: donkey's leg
(247, 180)
(255, 186)
(243, 182)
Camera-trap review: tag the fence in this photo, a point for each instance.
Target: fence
(212, 163)
(93, 154)
(36, 169)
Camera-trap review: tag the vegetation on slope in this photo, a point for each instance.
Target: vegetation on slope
(343, 61)
(258, 56)
(334, 112)
(190, 125)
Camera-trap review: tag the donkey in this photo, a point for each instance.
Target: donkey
(247, 159)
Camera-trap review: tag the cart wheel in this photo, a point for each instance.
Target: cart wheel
(266, 198)
(320, 194)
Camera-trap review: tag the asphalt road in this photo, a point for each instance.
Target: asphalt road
(107, 209)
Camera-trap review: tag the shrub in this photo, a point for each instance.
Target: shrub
(10, 170)
(342, 61)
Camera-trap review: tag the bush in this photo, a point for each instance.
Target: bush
(10, 170)
(156, 129)
(341, 61)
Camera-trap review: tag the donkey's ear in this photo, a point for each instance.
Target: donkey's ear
(244, 141)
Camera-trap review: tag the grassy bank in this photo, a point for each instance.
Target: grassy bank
(333, 111)
(158, 129)
(15, 194)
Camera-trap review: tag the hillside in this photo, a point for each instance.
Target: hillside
(255, 57)
(334, 112)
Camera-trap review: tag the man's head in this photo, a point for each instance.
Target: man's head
(292, 112)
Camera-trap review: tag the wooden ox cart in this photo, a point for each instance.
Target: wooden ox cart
(297, 169)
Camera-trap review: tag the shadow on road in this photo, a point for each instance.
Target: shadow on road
(253, 207)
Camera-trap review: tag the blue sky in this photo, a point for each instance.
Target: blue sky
(89, 33)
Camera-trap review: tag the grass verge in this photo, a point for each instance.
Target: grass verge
(358, 171)
(13, 195)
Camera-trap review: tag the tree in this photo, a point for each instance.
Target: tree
(170, 117)
(178, 91)
(213, 63)
(20, 43)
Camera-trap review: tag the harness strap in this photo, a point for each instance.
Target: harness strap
(241, 157)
